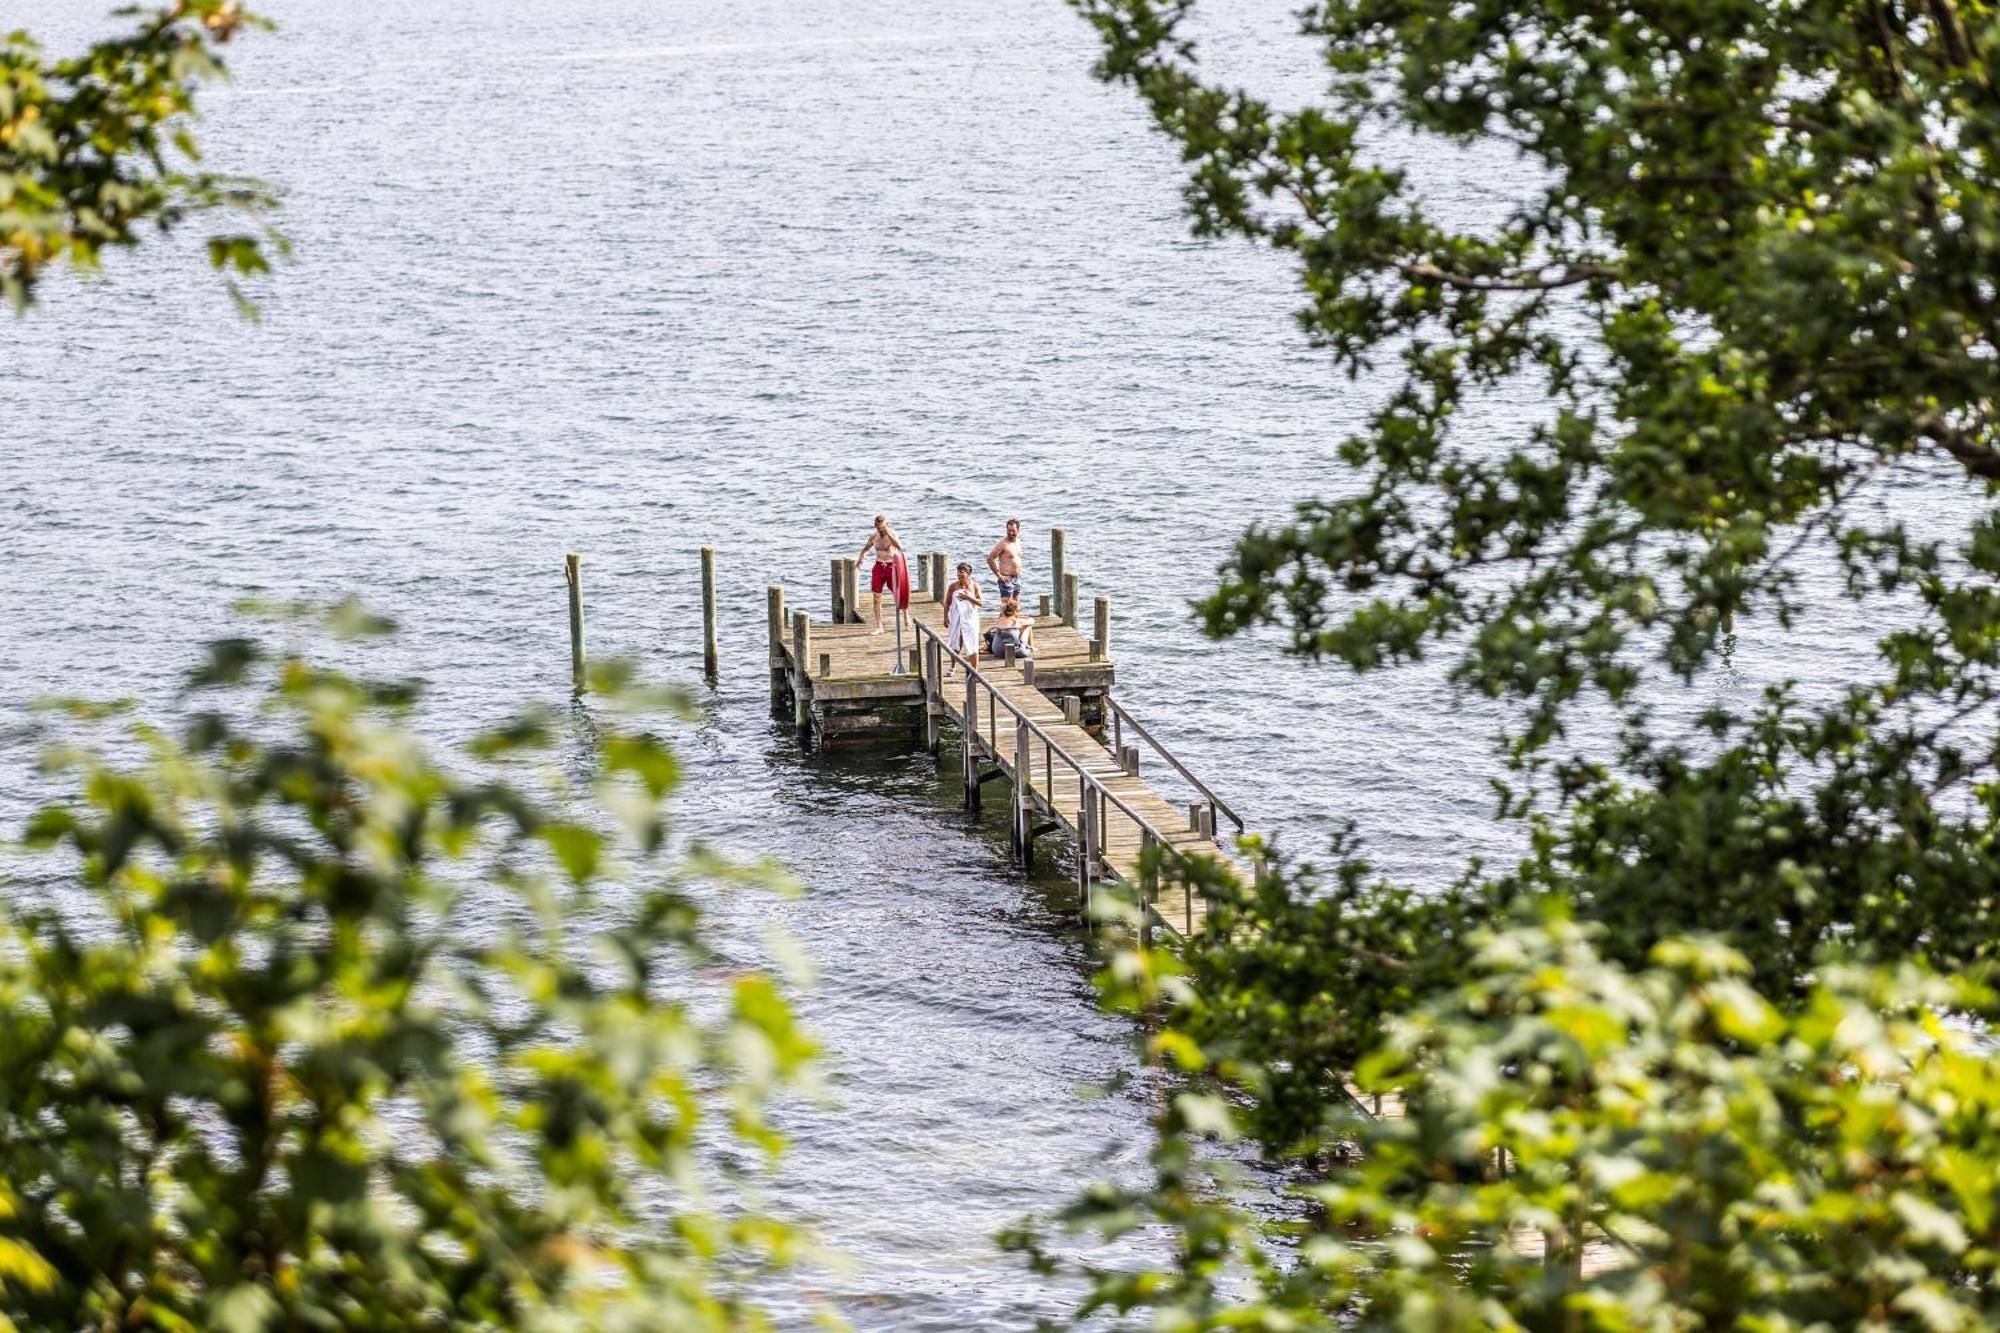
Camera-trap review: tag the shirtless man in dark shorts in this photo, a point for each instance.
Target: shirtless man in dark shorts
(887, 546)
(1005, 560)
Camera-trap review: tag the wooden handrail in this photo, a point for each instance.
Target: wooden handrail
(1048, 742)
(1217, 802)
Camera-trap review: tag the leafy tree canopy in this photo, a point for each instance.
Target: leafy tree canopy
(1589, 1147)
(1751, 269)
(97, 146)
(335, 1039)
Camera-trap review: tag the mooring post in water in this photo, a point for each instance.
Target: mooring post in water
(801, 646)
(1100, 629)
(774, 628)
(710, 659)
(1058, 566)
(573, 575)
(837, 609)
(1069, 600)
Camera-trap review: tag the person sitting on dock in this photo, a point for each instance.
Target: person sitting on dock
(961, 617)
(892, 568)
(1005, 561)
(1010, 631)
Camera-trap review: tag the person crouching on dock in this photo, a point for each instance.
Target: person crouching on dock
(892, 568)
(961, 617)
(1009, 631)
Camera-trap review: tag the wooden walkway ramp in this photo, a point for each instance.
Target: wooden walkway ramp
(1062, 777)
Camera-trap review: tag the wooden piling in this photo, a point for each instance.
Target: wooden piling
(573, 575)
(851, 590)
(1128, 759)
(836, 607)
(1100, 628)
(933, 696)
(1072, 710)
(825, 665)
(1058, 566)
(801, 645)
(1069, 600)
(938, 581)
(1024, 800)
(970, 735)
(774, 629)
(1048, 604)
(1027, 671)
(710, 658)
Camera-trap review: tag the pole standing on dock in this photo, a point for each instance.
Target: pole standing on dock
(710, 659)
(573, 575)
(1100, 628)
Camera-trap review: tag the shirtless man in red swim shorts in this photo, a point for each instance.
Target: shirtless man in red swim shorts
(887, 547)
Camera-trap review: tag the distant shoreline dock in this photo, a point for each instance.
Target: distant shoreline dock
(1049, 726)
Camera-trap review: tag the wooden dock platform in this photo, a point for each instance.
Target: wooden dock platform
(1049, 728)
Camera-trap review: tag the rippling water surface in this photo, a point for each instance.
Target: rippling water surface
(631, 278)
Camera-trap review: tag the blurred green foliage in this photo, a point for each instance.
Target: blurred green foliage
(1716, 1014)
(95, 147)
(1589, 1147)
(318, 1034)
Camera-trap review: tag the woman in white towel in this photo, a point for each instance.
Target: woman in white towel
(961, 617)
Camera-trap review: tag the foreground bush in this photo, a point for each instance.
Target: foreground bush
(335, 1039)
(1591, 1147)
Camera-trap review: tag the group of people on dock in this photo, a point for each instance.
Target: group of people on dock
(963, 598)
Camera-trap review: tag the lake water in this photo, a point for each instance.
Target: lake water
(632, 278)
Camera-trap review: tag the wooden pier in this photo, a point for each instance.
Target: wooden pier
(1049, 727)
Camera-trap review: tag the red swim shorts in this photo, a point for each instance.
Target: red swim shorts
(881, 578)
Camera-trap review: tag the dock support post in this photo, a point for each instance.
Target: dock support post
(836, 608)
(1069, 600)
(933, 696)
(969, 732)
(573, 575)
(825, 665)
(801, 648)
(1024, 801)
(710, 659)
(1072, 710)
(1100, 629)
(938, 583)
(774, 629)
(850, 594)
(1028, 671)
(1084, 843)
(1128, 759)
(1048, 606)
(1058, 565)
